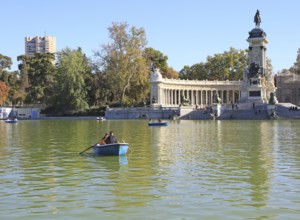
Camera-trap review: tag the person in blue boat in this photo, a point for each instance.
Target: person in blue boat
(112, 138)
(104, 139)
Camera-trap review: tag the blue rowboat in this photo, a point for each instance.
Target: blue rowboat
(116, 149)
(158, 123)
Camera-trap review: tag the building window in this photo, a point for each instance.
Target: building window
(254, 93)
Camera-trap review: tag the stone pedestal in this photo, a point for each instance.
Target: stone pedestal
(217, 109)
(272, 110)
(156, 105)
(184, 110)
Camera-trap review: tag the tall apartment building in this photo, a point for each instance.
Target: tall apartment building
(40, 45)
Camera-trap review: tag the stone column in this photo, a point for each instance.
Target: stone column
(227, 96)
(175, 97)
(159, 101)
(201, 97)
(222, 95)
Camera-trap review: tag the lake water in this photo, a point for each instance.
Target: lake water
(187, 170)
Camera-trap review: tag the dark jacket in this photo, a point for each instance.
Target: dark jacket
(112, 139)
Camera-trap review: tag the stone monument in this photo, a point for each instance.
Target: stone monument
(217, 108)
(155, 79)
(258, 82)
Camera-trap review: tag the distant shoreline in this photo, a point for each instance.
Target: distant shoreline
(58, 118)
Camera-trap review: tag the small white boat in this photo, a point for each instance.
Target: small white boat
(11, 120)
(101, 118)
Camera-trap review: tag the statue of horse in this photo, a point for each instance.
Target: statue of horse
(254, 70)
(184, 101)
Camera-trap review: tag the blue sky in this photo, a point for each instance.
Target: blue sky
(187, 31)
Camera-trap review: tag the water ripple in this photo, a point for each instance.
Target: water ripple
(188, 170)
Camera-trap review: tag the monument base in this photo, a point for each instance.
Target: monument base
(184, 110)
(217, 109)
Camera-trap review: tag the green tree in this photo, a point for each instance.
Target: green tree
(23, 68)
(159, 60)
(229, 65)
(5, 63)
(196, 71)
(70, 88)
(156, 58)
(38, 74)
(99, 92)
(125, 69)
(184, 72)
(12, 79)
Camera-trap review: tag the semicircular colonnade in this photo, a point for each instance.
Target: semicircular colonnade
(169, 92)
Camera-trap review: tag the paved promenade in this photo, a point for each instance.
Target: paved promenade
(247, 112)
(244, 111)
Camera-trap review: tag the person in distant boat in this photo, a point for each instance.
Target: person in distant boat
(159, 120)
(104, 139)
(112, 138)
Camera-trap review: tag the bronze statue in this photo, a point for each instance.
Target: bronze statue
(272, 99)
(184, 101)
(217, 98)
(152, 67)
(257, 19)
(254, 70)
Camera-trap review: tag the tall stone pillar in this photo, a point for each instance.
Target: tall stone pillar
(253, 89)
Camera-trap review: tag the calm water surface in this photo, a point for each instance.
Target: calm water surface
(187, 170)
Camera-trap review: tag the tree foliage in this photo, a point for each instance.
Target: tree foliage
(4, 89)
(70, 89)
(38, 74)
(159, 60)
(123, 64)
(229, 65)
(99, 92)
(12, 79)
(5, 62)
(23, 68)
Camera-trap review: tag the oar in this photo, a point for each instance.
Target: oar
(87, 149)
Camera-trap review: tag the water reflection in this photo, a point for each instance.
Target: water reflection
(247, 169)
(229, 156)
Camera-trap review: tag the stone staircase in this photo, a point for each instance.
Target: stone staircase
(197, 115)
(284, 112)
(245, 111)
(242, 114)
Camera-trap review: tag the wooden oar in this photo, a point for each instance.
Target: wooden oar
(87, 149)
